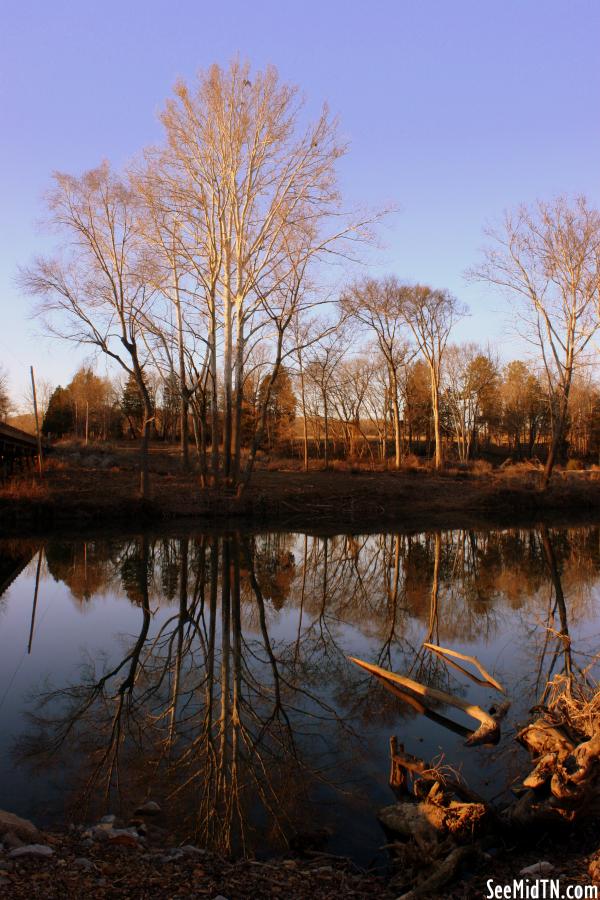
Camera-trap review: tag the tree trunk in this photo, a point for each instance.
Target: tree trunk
(184, 399)
(326, 424)
(214, 412)
(558, 427)
(435, 404)
(396, 410)
(305, 423)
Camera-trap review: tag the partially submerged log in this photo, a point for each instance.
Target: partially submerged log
(400, 685)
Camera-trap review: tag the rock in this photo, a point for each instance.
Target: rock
(11, 840)
(31, 850)
(107, 820)
(84, 863)
(538, 868)
(191, 850)
(151, 808)
(123, 837)
(97, 833)
(23, 828)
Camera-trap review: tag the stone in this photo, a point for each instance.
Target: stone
(123, 837)
(41, 850)
(97, 833)
(23, 828)
(150, 808)
(84, 863)
(107, 820)
(191, 850)
(539, 868)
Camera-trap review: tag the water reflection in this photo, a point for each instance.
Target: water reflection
(231, 699)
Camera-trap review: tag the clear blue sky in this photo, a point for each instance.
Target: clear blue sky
(455, 109)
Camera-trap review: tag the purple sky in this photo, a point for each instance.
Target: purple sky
(454, 110)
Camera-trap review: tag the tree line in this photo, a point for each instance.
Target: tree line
(205, 263)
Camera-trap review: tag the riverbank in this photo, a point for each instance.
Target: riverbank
(97, 486)
(140, 861)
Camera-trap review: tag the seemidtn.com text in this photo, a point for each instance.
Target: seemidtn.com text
(539, 889)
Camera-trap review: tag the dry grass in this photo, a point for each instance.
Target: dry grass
(24, 488)
(576, 701)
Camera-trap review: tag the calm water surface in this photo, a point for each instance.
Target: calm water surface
(211, 672)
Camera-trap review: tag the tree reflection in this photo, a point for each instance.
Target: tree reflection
(234, 702)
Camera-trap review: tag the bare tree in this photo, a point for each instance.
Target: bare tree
(96, 293)
(380, 306)
(548, 257)
(323, 361)
(258, 200)
(430, 314)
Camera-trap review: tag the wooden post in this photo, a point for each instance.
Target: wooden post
(37, 422)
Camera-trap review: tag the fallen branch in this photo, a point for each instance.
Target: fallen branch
(489, 730)
(450, 655)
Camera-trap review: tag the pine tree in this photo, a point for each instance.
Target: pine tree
(59, 419)
(132, 406)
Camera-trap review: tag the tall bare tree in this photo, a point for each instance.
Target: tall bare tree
(380, 306)
(430, 314)
(96, 293)
(548, 257)
(258, 201)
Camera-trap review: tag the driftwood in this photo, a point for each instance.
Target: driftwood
(400, 685)
(449, 656)
(439, 822)
(434, 831)
(442, 873)
(434, 819)
(402, 762)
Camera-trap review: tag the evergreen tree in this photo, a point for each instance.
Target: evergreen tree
(132, 406)
(59, 419)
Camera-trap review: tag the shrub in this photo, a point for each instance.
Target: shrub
(411, 461)
(481, 467)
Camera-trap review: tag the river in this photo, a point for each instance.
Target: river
(210, 672)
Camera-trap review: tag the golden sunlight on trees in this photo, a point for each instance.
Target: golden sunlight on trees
(96, 292)
(200, 275)
(548, 258)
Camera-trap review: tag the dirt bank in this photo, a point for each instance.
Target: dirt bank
(97, 487)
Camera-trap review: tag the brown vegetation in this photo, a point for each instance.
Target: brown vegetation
(98, 485)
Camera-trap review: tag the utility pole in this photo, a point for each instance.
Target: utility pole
(37, 421)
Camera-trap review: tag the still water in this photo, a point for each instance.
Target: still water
(210, 672)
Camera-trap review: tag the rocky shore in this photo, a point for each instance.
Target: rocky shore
(139, 860)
